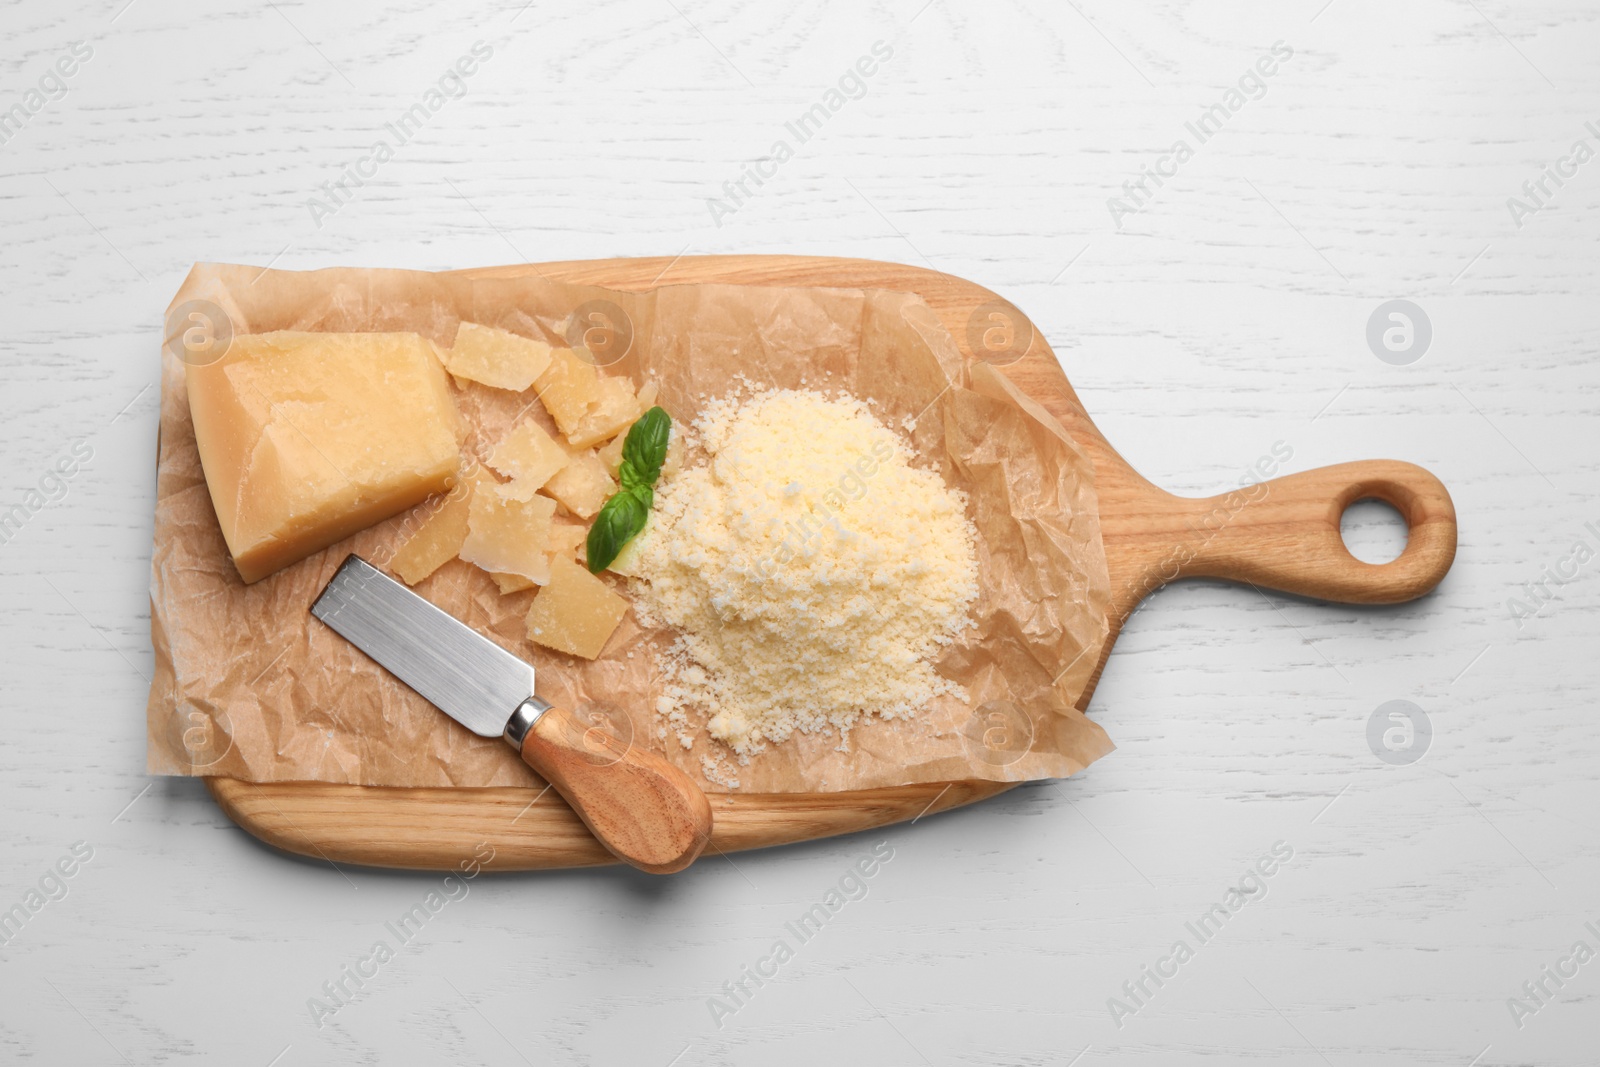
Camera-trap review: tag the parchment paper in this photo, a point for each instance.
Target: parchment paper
(249, 685)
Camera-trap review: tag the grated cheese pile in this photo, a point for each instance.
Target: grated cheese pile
(812, 573)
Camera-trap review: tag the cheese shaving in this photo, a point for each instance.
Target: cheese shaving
(812, 572)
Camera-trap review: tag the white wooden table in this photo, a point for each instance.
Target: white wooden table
(1225, 314)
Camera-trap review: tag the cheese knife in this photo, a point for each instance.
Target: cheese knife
(640, 807)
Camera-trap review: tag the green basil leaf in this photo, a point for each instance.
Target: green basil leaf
(646, 444)
(625, 514)
(619, 521)
(629, 476)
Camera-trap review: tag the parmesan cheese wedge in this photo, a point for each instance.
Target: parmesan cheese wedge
(497, 358)
(568, 386)
(576, 612)
(506, 535)
(582, 485)
(529, 457)
(438, 540)
(307, 438)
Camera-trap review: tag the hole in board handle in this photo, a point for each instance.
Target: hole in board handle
(1374, 530)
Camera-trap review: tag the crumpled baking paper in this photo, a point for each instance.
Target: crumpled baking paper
(249, 685)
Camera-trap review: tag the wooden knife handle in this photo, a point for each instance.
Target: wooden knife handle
(640, 807)
(1284, 534)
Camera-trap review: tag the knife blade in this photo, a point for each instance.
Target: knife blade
(643, 809)
(462, 673)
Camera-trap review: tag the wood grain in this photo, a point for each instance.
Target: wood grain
(364, 824)
(642, 809)
(1284, 533)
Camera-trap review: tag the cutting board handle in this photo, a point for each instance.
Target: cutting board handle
(1284, 534)
(640, 807)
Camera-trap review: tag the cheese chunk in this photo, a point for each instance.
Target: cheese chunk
(565, 537)
(582, 486)
(510, 583)
(576, 612)
(611, 454)
(509, 536)
(529, 457)
(627, 562)
(614, 411)
(307, 438)
(438, 540)
(496, 358)
(568, 386)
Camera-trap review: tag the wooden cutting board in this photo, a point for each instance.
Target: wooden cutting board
(1288, 539)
